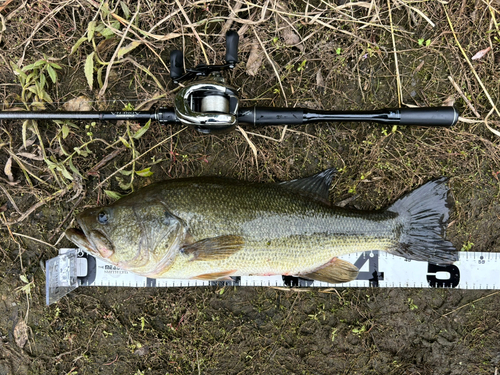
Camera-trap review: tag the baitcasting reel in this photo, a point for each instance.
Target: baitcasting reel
(207, 104)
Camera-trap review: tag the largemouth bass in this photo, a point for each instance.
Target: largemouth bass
(212, 228)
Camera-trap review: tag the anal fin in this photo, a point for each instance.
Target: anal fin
(216, 276)
(216, 248)
(336, 271)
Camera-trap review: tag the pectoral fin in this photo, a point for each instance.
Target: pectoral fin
(335, 271)
(216, 248)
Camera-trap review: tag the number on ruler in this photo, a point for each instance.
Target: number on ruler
(373, 275)
(453, 276)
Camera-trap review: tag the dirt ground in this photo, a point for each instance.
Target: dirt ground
(321, 55)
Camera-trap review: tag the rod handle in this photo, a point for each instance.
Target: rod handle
(176, 64)
(429, 116)
(232, 40)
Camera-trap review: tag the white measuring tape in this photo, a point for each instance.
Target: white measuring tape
(74, 268)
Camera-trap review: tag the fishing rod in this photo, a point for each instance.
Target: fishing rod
(210, 105)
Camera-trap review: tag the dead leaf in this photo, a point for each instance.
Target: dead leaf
(481, 54)
(81, 103)
(30, 155)
(21, 333)
(449, 101)
(291, 38)
(8, 169)
(320, 81)
(255, 59)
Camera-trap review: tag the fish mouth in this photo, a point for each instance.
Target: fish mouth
(78, 237)
(95, 242)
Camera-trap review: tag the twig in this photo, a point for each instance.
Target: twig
(39, 204)
(272, 64)
(190, 24)
(170, 15)
(42, 23)
(104, 161)
(110, 64)
(230, 21)
(110, 363)
(470, 64)
(419, 12)
(496, 132)
(285, 129)
(459, 90)
(5, 5)
(398, 79)
(467, 304)
(10, 199)
(66, 218)
(250, 143)
(137, 158)
(34, 239)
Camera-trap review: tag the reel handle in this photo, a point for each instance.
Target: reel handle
(232, 40)
(176, 64)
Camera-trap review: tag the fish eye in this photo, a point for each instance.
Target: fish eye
(102, 217)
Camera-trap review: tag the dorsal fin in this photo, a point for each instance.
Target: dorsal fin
(315, 187)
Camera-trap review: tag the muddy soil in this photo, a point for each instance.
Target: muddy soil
(321, 55)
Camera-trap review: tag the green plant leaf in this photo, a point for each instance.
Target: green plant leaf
(43, 80)
(16, 69)
(124, 141)
(123, 185)
(28, 67)
(139, 133)
(65, 173)
(112, 194)
(73, 168)
(125, 172)
(77, 44)
(89, 69)
(146, 172)
(129, 47)
(91, 30)
(46, 96)
(99, 76)
(64, 152)
(125, 9)
(39, 63)
(107, 33)
(54, 65)
(33, 89)
(52, 73)
(65, 131)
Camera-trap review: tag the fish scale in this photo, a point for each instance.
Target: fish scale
(284, 232)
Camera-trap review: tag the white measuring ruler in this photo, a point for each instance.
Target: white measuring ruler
(473, 270)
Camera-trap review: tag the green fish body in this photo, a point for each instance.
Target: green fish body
(213, 228)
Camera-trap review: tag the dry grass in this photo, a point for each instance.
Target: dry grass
(323, 55)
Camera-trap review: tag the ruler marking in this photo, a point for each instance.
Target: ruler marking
(473, 270)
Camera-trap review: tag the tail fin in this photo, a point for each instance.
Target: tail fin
(423, 215)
